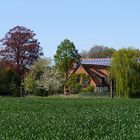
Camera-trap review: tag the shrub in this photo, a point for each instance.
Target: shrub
(90, 88)
(14, 89)
(77, 82)
(85, 80)
(74, 89)
(9, 82)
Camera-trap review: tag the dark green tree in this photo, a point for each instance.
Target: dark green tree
(65, 56)
(9, 81)
(126, 71)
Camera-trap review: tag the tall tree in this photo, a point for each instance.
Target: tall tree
(65, 56)
(125, 70)
(20, 50)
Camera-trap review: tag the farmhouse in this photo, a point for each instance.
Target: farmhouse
(97, 70)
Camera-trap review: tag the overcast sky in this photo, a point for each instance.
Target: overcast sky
(113, 23)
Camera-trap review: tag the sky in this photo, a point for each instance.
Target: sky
(113, 23)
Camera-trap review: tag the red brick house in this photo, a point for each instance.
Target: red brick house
(97, 70)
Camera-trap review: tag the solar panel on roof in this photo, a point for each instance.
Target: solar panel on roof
(98, 61)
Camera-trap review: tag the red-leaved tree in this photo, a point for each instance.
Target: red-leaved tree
(20, 50)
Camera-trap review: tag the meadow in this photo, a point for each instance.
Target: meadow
(69, 118)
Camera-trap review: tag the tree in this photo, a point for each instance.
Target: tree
(52, 80)
(43, 78)
(65, 56)
(9, 81)
(125, 71)
(21, 50)
(98, 51)
(33, 77)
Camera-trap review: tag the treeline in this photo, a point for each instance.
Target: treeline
(98, 51)
(25, 71)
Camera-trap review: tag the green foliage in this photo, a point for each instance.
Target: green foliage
(73, 84)
(65, 56)
(43, 78)
(98, 51)
(90, 88)
(4, 79)
(77, 82)
(9, 82)
(84, 80)
(125, 70)
(52, 80)
(67, 118)
(14, 88)
(33, 77)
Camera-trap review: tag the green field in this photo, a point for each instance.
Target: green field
(69, 118)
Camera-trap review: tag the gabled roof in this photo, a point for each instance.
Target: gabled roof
(93, 72)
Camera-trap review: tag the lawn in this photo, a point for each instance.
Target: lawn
(69, 118)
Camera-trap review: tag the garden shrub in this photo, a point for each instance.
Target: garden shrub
(85, 80)
(90, 88)
(74, 89)
(78, 82)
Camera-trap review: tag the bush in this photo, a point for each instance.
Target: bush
(88, 89)
(77, 82)
(38, 92)
(85, 80)
(14, 89)
(9, 82)
(74, 89)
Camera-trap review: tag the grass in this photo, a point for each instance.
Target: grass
(69, 118)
